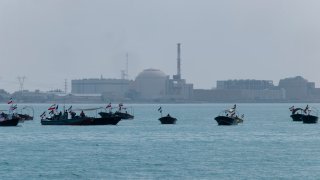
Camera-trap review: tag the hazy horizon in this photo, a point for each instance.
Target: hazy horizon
(49, 41)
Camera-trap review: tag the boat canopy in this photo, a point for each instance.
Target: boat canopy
(88, 109)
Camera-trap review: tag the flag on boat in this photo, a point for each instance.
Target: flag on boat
(109, 105)
(52, 107)
(43, 115)
(160, 109)
(13, 107)
(291, 108)
(10, 101)
(69, 109)
(51, 112)
(57, 107)
(306, 109)
(234, 106)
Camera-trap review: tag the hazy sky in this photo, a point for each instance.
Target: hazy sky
(51, 40)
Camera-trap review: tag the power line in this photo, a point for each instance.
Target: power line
(21, 80)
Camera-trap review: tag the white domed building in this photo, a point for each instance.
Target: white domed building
(151, 84)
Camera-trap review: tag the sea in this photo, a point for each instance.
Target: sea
(268, 145)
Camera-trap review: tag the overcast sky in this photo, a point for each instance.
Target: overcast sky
(51, 40)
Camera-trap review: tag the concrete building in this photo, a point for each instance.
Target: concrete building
(151, 84)
(245, 84)
(116, 88)
(241, 91)
(297, 88)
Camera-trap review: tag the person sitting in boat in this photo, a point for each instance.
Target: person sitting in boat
(3, 115)
(82, 114)
(232, 114)
(59, 115)
(65, 114)
(168, 115)
(73, 114)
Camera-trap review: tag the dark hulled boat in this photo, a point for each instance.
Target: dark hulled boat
(307, 115)
(9, 119)
(225, 120)
(296, 114)
(229, 117)
(10, 122)
(309, 119)
(82, 121)
(76, 121)
(62, 119)
(296, 117)
(25, 117)
(122, 112)
(122, 115)
(106, 121)
(26, 113)
(167, 120)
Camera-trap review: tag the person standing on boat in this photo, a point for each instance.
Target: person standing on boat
(82, 114)
(306, 110)
(65, 114)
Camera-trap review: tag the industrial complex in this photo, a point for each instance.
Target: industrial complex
(153, 85)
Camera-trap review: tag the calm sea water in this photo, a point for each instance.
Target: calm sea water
(268, 145)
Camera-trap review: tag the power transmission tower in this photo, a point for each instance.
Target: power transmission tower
(21, 80)
(65, 86)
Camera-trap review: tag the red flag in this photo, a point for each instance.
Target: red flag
(53, 107)
(10, 101)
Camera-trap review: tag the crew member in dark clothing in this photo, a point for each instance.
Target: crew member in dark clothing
(82, 114)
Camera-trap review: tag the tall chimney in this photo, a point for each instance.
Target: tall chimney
(179, 61)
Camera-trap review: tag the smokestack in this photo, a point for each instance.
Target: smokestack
(179, 61)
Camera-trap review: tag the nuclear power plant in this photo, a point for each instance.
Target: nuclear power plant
(149, 85)
(153, 85)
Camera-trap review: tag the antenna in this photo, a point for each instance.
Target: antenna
(21, 82)
(125, 73)
(65, 86)
(127, 65)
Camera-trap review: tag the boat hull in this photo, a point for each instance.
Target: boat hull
(309, 119)
(124, 116)
(297, 117)
(167, 120)
(83, 121)
(25, 117)
(11, 122)
(79, 121)
(224, 120)
(106, 121)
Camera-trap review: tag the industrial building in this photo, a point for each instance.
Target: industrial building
(99, 86)
(149, 85)
(245, 84)
(242, 91)
(153, 84)
(296, 87)
(299, 89)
